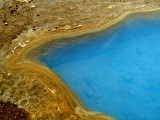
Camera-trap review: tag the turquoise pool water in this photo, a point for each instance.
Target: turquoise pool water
(116, 72)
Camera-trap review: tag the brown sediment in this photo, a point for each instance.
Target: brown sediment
(9, 111)
(14, 20)
(40, 91)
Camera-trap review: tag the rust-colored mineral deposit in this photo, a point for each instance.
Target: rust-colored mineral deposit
(29, 90)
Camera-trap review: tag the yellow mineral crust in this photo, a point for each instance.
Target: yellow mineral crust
(27, 25)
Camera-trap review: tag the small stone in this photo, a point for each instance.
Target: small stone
(58, 109)
(27, 41)
(33, 6)
(9, 74)
(79, 26)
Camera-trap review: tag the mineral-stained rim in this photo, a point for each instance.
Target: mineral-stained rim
(18, 61)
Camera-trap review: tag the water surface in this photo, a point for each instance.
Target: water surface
(116, 72)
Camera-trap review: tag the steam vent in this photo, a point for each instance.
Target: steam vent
(79, 59)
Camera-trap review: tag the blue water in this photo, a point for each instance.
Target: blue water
(116, 72)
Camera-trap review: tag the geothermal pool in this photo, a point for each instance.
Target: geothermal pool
(117, 71)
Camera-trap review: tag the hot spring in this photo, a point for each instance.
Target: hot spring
(116, 71)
